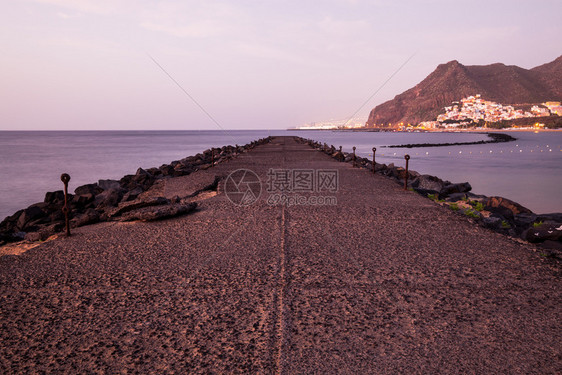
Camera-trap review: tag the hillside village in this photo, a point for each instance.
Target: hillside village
(475, 108)
(525, 94)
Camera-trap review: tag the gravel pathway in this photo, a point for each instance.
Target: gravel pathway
(383, 282)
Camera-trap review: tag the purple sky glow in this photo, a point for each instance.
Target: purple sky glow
(85, 65)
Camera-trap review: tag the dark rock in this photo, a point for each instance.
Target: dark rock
(108, 198)
(142, 173)
(56, 215)
(427, 182)
(524, 220)
(154, 171)
(133, 194)
(54, 196)
(496, 202)
(189, 160)
(126, 182)
(502, 212)
(455, 197)
(543, 233)
(159, 212)
(80, 201)
(166, 170)
(379, 167)
(338, 156)
(109, 184)
(142, 178)
(10, 222)
(37, 222)
(550, 218)
(90, 216)
(31, 213)
(183, 169)
(18, 236)
(397, 172)
(135, 205)
(92, 189)
(492, 222)
(463, 187)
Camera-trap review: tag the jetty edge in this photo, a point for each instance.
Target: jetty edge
(383, 281)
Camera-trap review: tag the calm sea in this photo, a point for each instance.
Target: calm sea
(527, 171)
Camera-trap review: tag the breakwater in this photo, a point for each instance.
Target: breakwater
(123, 199)
(499, 214)
(280, 288)
(495, 138)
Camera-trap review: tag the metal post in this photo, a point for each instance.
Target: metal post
(354, 158)
(65, 178)
(374, 150)
(407, 157)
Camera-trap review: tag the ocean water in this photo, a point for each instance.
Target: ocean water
(527, 171)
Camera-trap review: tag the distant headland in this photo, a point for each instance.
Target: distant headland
(459, 97)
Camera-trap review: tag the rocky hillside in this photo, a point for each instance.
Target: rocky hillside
(506, 84)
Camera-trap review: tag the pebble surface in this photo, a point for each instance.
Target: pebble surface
(383, 282)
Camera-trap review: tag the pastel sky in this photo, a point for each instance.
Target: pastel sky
(86, 64)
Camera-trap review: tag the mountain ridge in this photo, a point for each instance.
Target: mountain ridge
(452, 81)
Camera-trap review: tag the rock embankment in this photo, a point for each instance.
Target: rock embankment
(496, 213)
(495, 138)
(111, 200)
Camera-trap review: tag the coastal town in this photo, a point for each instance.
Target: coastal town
(472, 111)
(475, 109)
